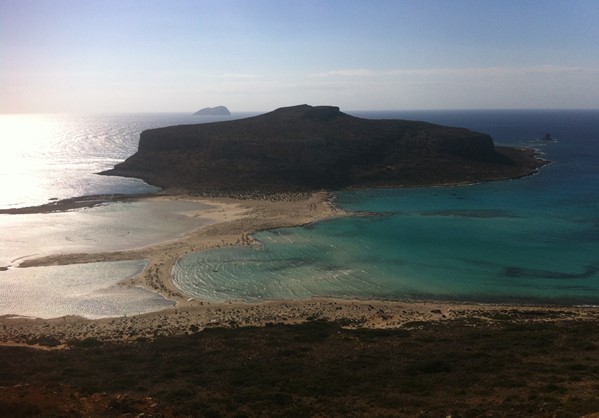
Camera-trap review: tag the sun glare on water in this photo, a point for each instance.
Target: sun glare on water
(35, 151)
(22, 137)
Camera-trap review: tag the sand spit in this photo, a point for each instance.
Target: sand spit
(234, 220)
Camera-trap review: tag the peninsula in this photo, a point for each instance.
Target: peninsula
(308, 148)
(200, 358)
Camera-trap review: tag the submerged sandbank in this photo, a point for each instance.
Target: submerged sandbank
(83, 254)
(213, 223)
(120, 225)
(90, 290)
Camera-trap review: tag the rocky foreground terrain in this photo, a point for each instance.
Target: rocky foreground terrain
(507, 362)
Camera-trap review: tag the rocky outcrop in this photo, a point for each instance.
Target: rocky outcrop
(308, 148)
(213, 111)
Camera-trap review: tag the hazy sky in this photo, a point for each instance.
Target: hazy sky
(254, 55)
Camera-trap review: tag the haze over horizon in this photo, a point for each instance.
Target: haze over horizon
(152, 56)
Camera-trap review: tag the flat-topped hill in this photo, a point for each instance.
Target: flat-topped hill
(213, 111)
(309, 148)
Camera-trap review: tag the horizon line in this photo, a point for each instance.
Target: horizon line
(465, 109)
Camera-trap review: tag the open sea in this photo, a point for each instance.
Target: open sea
(532, 240)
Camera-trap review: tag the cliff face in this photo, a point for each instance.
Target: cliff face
(307, 148)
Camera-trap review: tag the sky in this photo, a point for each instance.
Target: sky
(93, 56)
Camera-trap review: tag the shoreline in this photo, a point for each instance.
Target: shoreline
(233, 221)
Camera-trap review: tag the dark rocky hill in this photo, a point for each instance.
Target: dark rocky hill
(307, 148)
(213, 111)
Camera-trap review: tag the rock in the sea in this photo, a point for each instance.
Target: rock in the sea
(304, 148)
(213, 111)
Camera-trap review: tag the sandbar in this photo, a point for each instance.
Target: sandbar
(233, 222)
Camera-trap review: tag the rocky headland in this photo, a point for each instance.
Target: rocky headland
(306, 148)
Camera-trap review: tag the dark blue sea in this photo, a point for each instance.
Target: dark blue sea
(533, 240)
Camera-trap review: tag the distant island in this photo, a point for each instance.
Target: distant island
(213, 111)
(547, 137)
(307, 148)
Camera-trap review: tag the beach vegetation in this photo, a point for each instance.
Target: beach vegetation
(86, 342)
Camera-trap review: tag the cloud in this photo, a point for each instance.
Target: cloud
(539, 86)
(455, 72)
(358, 72)
(239, 76)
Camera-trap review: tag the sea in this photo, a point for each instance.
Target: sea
(533, 240)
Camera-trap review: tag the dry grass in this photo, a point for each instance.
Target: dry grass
(462, 368)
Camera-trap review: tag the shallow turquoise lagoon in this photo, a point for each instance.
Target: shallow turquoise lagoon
(432, 252)
(531, 240)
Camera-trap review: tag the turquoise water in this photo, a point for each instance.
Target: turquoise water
(532, 240)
